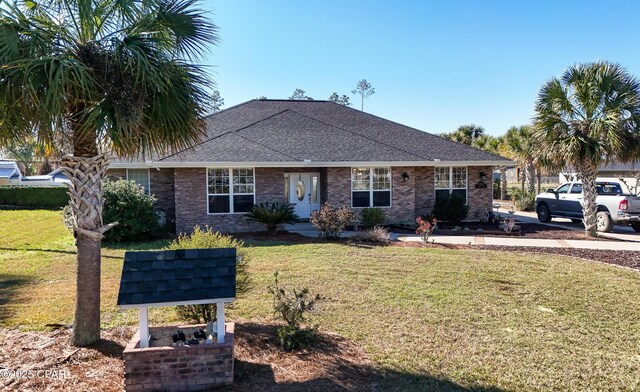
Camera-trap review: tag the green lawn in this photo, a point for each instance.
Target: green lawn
(468, 318)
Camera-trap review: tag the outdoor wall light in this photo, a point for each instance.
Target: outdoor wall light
(483, 176)
(405, 176)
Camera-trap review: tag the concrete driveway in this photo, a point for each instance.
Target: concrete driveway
(624, 233)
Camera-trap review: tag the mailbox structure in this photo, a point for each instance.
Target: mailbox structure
(170, 278)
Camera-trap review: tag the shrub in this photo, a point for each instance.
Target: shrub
(372, 217)
(378, 234)
(426, 226)
(330, 221)
(450, 208)
(496, 188)
(44, 197)
(523, 200)
(273, 215)
(126, 202)
(204, 239)
(292, 306)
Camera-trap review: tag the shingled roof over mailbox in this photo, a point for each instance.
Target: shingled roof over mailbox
(167, 276)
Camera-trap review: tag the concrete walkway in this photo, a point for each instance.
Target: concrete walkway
(306, 229)
(524, 242)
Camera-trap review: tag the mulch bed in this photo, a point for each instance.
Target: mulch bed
(334, 362)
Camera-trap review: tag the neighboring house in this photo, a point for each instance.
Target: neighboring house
(10, 175)
(307, 153)
(628, 173)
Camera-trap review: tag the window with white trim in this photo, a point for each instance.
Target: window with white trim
(140, 177)
(230, 191)
(371, 187)
(451, 181)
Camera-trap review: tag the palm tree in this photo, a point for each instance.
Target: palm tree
(106, 77)
(465, 134)
(590, 115)
(494, 145)
(520, 147)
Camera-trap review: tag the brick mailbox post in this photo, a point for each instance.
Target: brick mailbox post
(170, 278)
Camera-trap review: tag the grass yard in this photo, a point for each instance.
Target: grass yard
(430, 318)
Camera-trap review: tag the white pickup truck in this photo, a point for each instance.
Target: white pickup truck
(614, 207)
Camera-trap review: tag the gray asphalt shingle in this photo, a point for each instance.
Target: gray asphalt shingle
(153, 277)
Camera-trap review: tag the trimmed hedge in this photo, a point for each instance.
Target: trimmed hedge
(45, 197)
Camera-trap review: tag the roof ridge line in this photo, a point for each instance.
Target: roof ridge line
(224, 133)
(359, 134)
(417, 130)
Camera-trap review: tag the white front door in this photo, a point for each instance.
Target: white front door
(304, 193)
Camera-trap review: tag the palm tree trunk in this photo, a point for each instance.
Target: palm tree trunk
(86, 200)
(529, 174)
(503, 182)
(587, 173)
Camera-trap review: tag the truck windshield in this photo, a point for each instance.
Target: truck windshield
(608, 189)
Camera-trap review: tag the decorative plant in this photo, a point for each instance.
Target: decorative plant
(450, 208)
(292, 307)
(372, 217)
(330, 221)
(523, 200)
(203, 239)
(378, 234)
(273, 214)
(509, 224)
(426, 227)
(127, 203)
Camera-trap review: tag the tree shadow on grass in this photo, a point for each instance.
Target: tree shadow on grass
(9, 285)
(333, 363)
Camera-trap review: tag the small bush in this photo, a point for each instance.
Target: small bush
(426, 227)
(126, 202)
(330, 221)
(450, 208)
(205, 239)
(42, 197)
(273, 214)
(292, 307)
(523, 200)
(372, 217)
(378, 234)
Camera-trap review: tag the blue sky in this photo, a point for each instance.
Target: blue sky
(434, 65)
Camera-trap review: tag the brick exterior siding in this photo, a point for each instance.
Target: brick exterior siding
(182, 194)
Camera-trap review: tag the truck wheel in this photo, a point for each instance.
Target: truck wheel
(544, 215)
(636, 227)
(576, 220)
(604, 222)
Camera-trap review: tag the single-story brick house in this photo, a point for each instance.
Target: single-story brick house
(306, 153)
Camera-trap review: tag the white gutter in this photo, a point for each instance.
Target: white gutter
(305, 163)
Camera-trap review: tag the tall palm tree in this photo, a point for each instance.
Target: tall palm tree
(588, 116)
(494, 145)
(105, 77)
(520, 147)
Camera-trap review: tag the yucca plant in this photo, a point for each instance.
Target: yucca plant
(272, 215)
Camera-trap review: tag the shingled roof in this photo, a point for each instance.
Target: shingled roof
(296, 131)
(172, 277)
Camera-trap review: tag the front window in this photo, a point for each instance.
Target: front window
(451, 181)
(140, 177)
(230, 190)
(371, 187)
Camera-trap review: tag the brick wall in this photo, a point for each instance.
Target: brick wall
(479, 198)
(117, 174)
(425, 187)
(163, 189)
(186, 368)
